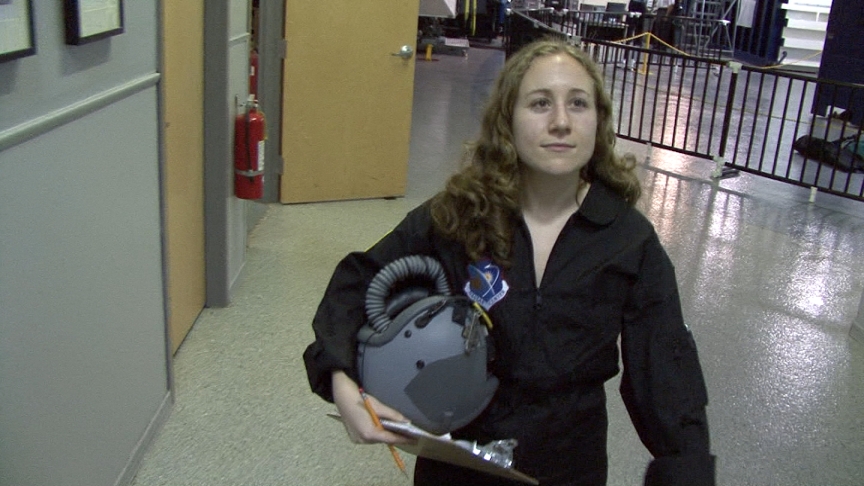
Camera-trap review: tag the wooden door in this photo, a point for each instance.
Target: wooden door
(346, 117)
(183, 114)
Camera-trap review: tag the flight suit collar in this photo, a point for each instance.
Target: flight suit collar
(602, 205)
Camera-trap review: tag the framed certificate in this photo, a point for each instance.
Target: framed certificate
(17, 37)
(91, 20)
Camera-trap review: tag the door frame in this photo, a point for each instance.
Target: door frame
(271, 54)
(226, 70)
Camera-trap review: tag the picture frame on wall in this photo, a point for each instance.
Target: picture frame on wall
(17, 31)
(92, 20)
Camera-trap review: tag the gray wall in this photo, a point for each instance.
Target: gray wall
(83, 365)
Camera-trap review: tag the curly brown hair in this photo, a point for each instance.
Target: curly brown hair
(479, 205)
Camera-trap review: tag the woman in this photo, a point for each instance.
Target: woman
(544, 201)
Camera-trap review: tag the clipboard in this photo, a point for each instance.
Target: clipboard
(445, 449)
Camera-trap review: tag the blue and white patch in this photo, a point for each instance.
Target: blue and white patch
(486, 286)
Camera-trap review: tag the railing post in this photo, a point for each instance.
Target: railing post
(730, 104)
(720, 171)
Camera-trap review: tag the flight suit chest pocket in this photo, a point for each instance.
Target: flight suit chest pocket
(590, 303)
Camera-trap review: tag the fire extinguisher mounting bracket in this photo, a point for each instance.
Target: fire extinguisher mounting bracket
(244, 105)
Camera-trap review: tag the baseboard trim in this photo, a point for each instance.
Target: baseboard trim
(153, 428)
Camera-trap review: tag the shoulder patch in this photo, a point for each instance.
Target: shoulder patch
(485, 286)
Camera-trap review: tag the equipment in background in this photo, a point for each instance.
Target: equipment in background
(846, 154)
(473, 23)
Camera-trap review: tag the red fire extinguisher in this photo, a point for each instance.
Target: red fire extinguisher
(249, 135)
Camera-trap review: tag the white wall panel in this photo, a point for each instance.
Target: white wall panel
(82, 336)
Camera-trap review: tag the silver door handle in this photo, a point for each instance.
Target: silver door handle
(405, 53)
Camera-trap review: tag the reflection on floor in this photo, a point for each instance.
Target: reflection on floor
(770, 284)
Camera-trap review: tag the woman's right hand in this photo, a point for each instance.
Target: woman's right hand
(356, 419)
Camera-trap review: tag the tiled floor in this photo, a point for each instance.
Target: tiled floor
(770, 285)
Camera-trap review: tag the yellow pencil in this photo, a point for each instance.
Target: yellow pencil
(396, 457)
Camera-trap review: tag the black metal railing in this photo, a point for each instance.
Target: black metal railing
(695, 36)
(740, 117)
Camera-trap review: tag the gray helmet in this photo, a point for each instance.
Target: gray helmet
(423, 351)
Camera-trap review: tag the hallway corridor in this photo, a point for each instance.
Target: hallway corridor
(769, 282)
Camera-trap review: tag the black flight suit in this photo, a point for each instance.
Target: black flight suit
(555, 346)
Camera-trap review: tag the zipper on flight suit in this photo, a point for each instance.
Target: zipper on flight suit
(538, 296)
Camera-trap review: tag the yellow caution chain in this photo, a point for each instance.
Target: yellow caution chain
(648, 36)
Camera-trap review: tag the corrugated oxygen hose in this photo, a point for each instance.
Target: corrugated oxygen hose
(406, 267)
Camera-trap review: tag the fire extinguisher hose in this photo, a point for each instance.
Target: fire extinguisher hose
(249, 144)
